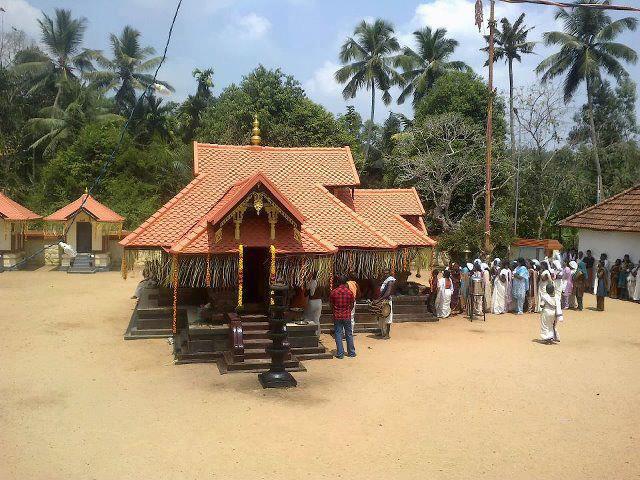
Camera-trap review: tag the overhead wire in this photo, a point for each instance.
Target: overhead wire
(105, 165)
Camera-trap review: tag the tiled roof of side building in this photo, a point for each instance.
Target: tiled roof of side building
(12, 210)
(386, 208)
(96, 209)
(619, 213)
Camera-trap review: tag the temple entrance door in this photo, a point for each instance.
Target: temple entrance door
(83, 237)
(255, 275)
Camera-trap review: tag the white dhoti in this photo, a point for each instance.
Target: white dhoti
(547, 322)
(443, 302)
(313, 311)
(499, 297)
(636, 291)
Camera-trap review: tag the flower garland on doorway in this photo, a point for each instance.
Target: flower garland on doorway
(272, 271)
(240, 274)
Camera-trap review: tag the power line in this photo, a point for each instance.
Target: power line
(596, 6)
(115, 150)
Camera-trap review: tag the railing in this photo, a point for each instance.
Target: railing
(236, 340)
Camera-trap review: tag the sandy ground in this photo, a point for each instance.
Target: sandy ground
(451, 400)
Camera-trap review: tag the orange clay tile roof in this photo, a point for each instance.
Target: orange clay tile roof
(298, 178)
(620, 213)
(11, 210)
(546, 243)
(93, 207)
(386, 209)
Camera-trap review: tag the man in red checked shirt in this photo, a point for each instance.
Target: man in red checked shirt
(342, 301)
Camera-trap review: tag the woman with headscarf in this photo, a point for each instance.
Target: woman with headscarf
(567, 279)
(550, 314)
(602, 285)
(558, 281)
(486, 278)
(573, 268)
(532, 294)
(520, 285)
(445, 292)
(464, 285)
(544, 279)
(579, 282)
(613, 281)
(501, 284)
(636, 290)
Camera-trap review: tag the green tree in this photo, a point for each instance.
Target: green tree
(287, 117)
(422, 68)
(61, 37)
(614, 113)
(587, 46)
(467, 94)
(194, 105)
(137, 183)
(129, 70)
(56, 126)
(368, 62)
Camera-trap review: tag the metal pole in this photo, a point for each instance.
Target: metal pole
(487, 200)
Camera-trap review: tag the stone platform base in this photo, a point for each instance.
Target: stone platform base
(101, 261)
(10, 259)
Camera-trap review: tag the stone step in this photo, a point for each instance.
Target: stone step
(154, 323)
(251, 326)
(135, 334)
(155, 312)
(314, 356)
(81, 270)
(250, 343)
(254, 364)
(260, 334)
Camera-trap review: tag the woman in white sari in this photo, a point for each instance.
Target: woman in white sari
(501, 286)
(550, 314)
(545, 279)
(486, 280)
(443, 299)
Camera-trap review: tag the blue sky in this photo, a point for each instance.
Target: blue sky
(302, 37)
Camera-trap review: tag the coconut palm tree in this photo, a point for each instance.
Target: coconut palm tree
(368, 62)
(56, 126)
(128, 70)
(422, 68)
(63, 60)
(510, 44)
(587, 46)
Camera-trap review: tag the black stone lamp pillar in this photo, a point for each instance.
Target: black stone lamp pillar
(277, 376)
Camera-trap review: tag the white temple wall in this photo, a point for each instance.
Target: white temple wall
(614, 244)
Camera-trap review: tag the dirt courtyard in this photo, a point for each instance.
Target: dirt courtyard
(447, 400)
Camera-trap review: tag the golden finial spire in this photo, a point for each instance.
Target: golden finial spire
(255, 132)
(86, 190)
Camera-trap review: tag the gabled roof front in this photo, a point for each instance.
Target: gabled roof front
(238, 191)
(620, 213)
(11, 210)
(93, 207)
(300, 179)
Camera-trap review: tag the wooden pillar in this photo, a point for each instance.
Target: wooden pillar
(240, 274)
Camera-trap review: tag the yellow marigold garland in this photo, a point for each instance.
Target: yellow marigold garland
(208, 275)
(272, 272)
(240, 273)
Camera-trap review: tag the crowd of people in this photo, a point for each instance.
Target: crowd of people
(533, 286)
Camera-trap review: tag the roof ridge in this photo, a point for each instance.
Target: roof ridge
(364, 222)
(605, 201)
(267, 147)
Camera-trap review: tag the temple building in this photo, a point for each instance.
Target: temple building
(611, 226)
(257, 214)
(13, 225)
(89, 234)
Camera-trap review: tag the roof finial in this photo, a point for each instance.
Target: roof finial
(86, 190)
(255, 132)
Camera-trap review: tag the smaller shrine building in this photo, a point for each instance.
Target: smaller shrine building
(89, 234)
(13, 225)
